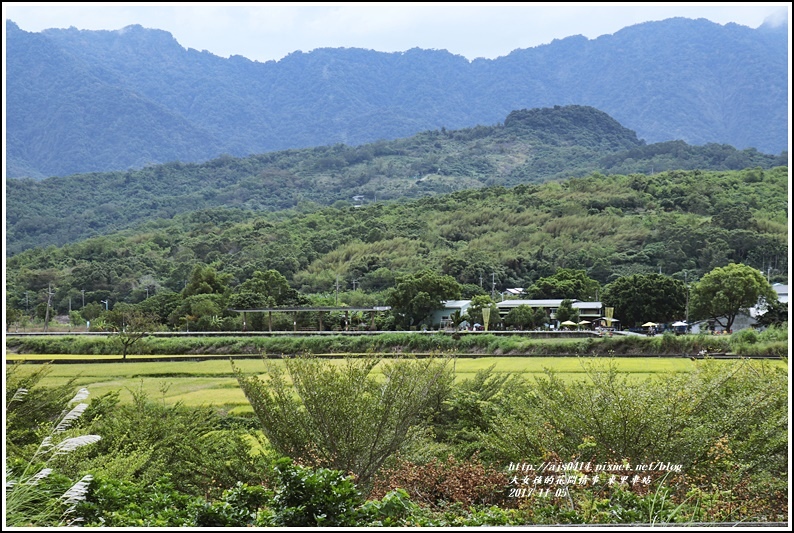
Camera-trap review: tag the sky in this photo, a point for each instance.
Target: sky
(264, 31)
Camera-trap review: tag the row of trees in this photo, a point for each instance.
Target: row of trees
(208, 303)
(721, 295)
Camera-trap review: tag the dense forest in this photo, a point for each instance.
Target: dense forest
(677, 223)
(530, 146)
(86, 101)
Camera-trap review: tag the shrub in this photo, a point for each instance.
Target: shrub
(339, 415)
(121, 503)
(439, 483)
(309, 497)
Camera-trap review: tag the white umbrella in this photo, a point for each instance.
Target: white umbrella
(649, 324)
(678, 324)
(582, 322)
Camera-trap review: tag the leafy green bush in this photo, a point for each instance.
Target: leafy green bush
(308, 497)
(121, 503)
(745, 336)
(241, 505)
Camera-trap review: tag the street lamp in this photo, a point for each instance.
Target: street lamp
(104, 302)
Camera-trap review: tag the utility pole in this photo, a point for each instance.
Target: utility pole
(83, 291)
(47, 312)
(686, 282)
(493, 285)
(337, 290)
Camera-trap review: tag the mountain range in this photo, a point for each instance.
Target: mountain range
(82, 101)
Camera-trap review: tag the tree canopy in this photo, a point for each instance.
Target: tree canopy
(640, 298)
(417, 295)
(566, 283)
(726, 291)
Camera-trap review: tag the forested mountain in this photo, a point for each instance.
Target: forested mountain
(85, 101)
(531, 146)
(609, 226)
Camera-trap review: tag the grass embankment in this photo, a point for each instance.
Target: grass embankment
(396, 343)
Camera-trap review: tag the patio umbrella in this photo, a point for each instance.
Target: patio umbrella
(678, 324)
(649, 324)
(583, 322)
(568, 323)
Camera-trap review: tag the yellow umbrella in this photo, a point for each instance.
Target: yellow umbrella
(649, 324)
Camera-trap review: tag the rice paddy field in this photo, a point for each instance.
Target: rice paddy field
(212, 382)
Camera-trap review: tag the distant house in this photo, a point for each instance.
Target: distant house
(782, 292)
(590, 311)
(513, 292)
(548, 306)
(443, 317)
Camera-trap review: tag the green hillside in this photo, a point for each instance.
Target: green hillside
(531, 146)
(609, 226)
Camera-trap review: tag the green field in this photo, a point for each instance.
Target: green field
(212, 382)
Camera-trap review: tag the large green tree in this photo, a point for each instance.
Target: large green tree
(525, 317)
(565, 283)
(264, 289)
(640, 298)
(205, 279)
(417, 295)
(200, 311)
(726, 291)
